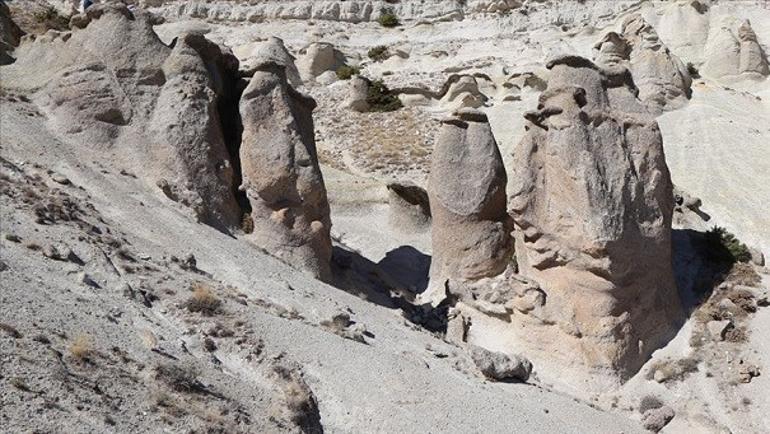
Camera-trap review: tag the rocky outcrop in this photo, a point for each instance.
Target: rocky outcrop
(10, 34)
(733, 51)
(281, 176)
(317, 58)
(661, 77)
(471, 229)
(111, 88)
(592, 204)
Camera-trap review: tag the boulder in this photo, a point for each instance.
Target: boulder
(661, 77)
(592, 202)
(409, 207)
(470, 230)
(111, 88)
(501, 367)
(281, 175)
(318, 58)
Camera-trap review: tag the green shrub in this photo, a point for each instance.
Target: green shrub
(381, 99)
(378, 53)
(344, 72)
(388, 19)
(724, 247)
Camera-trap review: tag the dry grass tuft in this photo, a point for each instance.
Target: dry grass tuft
(81, 347)
(203, 300)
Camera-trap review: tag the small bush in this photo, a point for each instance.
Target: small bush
(693, 70)
(345, 72)
(388, 19)
(378, 53)
(724, 247)
(203, 300)
(380, 98)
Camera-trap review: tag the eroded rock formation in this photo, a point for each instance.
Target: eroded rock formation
(592, 204)
(281, 176)
(733, 51)
(10, 34)
(471, 229)
(661, 77)
(317, 58)
(111, 87)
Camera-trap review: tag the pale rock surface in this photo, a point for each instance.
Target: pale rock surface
(281, 176)
(592, 202)
(471, 229)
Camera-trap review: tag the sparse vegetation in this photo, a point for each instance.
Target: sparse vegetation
(724, 247)
(50, 18)
(378, 53)
(203, 300)
(345, 72)
(381, 99)
(693, 70)
(81, 348)
(388, 19)
(179, 378)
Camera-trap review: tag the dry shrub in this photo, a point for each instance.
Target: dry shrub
(203, 300)
(247, 223)
(744, 274)
(81, 347)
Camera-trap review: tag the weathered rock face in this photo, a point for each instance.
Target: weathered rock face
(318, 58)
(457, 92)
(733, 51)
(186, 119)
(281, 176)
(111, 87)
(592, 204)
(10, 34)
(661, 77)
(471, 229)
